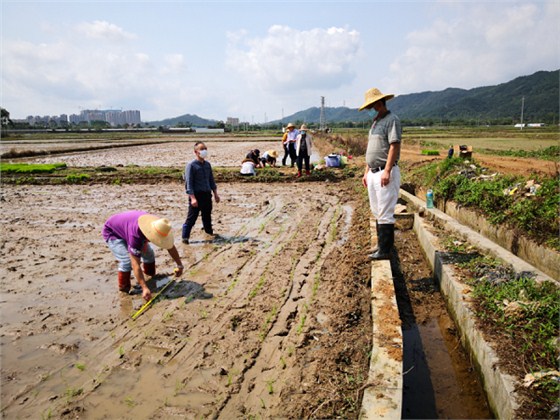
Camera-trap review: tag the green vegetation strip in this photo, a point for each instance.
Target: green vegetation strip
(528, 204)
(30, 168)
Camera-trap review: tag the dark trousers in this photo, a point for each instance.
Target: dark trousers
(303, 157)
(292, 152)
(286, 154)
(205, 208)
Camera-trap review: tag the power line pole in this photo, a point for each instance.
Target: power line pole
(322, 115)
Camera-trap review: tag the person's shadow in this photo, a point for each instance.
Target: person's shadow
(223, 239)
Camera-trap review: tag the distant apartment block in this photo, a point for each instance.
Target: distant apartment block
(113, 117)
(232, 121)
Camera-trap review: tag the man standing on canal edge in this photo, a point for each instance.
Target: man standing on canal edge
(199, 185)
(382, 175)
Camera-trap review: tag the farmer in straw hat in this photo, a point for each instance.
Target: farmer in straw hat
(290, 143)
(304, 143)
(128, 236)
(382, 175)
(269, 157)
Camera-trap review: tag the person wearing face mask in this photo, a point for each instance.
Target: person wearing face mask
(382, 176)
(199, 185)
(303, 150)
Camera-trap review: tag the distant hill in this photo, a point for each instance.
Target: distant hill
(493, 104)
(186, 120)
(490, 103)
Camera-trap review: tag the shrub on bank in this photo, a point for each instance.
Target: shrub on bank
(527, 204)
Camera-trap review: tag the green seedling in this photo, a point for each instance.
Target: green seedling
(257, 287)
(80, 366)
(269, 386)
(73, 392)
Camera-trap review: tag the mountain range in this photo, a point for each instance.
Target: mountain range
(538, 95)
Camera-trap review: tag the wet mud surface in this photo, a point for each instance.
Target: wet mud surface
(165, 154)
(271, 319)
(251, 328)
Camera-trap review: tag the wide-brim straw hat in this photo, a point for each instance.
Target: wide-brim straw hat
(373, 95)
(303, 127)
(156, 230)
(273, 153)
(290, 125)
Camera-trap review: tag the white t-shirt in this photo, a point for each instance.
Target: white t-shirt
(248, 168)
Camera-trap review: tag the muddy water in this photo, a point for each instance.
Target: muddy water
(439, 379)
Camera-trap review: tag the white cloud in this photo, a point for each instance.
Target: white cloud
(76, 73)
(484, 44)
(288, 59)
(103, 30)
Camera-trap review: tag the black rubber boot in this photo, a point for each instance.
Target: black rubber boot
(385, 242)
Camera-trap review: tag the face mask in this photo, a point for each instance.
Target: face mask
(203, 153)
(371, 113)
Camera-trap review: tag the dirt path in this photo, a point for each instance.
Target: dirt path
(250, 329)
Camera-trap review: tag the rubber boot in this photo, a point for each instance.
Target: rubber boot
(149, 268)
(385, 241)
(298, 174)
(124, 281)
(307, 173)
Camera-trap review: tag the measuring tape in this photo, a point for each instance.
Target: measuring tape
(148, 303)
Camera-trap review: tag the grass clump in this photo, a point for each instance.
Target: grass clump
(430, 152)
(527, 314)
(77, 178)
(30, 168)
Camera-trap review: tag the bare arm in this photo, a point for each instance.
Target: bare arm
(394, 149)
(136, 268)
(175, 255)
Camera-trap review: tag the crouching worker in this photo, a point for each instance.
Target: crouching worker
(128, 236)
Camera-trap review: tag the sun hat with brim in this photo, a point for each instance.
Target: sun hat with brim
(273, 153)
(303, 127)
(156, 230)
(290, 125)
(373, 95)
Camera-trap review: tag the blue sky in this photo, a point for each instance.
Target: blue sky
(260, 61)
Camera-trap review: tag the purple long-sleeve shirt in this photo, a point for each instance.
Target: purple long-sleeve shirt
(125, 226)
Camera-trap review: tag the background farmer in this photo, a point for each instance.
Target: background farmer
(128, 235)
(382, 175)
(199, 184)
(303, 150)
(269, 157)
(291, 142)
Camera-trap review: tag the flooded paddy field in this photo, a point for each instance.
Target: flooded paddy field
(249, 329)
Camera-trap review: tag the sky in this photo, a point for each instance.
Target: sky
(260, 61)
